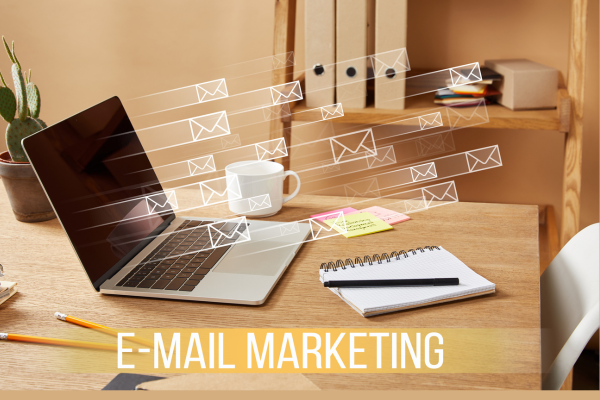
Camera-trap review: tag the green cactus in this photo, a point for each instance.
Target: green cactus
(33, 100)
(17, 131)
(26, 103)
(8, 104)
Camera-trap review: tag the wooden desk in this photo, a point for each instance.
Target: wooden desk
(498, 241)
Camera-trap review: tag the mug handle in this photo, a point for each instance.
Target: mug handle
(291, 196)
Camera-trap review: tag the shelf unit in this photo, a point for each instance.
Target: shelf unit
(567, 118)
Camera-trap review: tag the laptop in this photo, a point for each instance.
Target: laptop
(123, 227)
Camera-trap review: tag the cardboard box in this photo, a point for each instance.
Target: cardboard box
(526, 85)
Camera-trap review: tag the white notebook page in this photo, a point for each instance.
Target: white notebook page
(430, 264)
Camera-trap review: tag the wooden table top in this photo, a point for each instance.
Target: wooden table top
(498, 241)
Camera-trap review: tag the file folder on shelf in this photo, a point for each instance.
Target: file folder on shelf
(351, 52)
(390, 34)
(319, 20)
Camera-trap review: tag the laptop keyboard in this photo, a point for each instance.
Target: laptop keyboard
(179, 263)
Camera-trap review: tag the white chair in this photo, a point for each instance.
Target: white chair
(569, 303)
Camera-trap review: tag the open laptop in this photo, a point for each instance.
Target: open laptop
(121, 224)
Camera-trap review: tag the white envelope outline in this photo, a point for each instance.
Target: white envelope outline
(319, 227)
(427, 144)
(399, 65)
(202, 165)
(231, 141)
(384, 154)
(453, 198)
(423, 172)
(278, 111)
(372, 189)
(474, 74)
(336, 113)
(477, 113)
(203, 124)
(288, 229)
(485, 158)
(280, 149)
(231, 192)
(153, 203)
(366, 140)
(278, 96)
(259, 202)
(216, 235)
(430, 120)
(331, 168)
(415, 204)
(283, 60)
(212, 90)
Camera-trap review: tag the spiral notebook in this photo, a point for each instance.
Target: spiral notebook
(428, 262)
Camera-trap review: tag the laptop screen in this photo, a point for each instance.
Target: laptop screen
(102, 186)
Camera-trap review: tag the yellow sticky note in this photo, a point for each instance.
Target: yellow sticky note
(360, 224)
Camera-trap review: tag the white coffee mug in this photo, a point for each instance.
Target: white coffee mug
(261, 185)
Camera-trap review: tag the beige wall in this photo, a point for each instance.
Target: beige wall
(82, 52)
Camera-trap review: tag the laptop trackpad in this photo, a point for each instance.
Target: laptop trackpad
(256, 258)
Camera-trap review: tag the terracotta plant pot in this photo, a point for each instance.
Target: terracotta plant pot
(27, 198)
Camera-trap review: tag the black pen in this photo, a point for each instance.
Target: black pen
(393, 282)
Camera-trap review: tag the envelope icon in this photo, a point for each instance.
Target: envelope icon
(361, 144)
(444, 192)
(321, 230)
(385, 156)
(430, 144)
(390, 63)
(160, 202)
(202, 165)
(259, 202)
(331, 168)
(278, 111)
(468, 116)
(431, 120)
(288, 229)
(465, 74)
(271, 149)
(486, 158)
(366, 188)
(283, 60)
(423, 172)
(230, 141)
(415, 204)
(332, 111)
(220, 235)
(286, 92)
(209, 126)
(220, 190)
(213, 90)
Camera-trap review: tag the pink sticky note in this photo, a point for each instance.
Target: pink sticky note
(388, 216)
(327, 215)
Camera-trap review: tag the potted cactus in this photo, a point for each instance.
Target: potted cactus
(27, 198)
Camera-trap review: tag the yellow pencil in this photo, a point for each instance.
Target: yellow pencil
(101, 328)
(58, 342)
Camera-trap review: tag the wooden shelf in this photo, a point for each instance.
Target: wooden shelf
(500, 117)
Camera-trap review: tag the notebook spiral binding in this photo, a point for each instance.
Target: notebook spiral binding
(378, 259)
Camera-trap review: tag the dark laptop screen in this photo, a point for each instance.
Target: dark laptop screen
(99, 180)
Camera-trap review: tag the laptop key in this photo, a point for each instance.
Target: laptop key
(161, 284)
(169, 276)
(184, 275)
(201, 272)
(175, 284)
(153, 277)
(146, 284)
(187, 288)
(131, 284)
(192, 281)
(189, 269)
